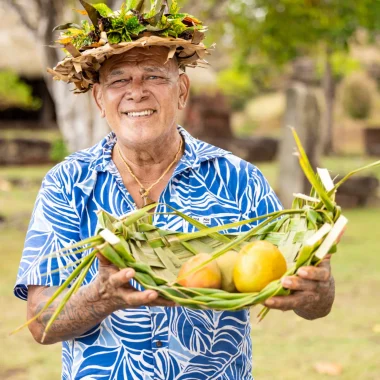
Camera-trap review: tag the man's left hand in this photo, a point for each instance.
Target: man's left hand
(313, 292)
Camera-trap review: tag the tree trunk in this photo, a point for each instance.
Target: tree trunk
(302, 113)
(329, 87)
(77, 116)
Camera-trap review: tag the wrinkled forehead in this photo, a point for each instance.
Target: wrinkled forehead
(148, 59)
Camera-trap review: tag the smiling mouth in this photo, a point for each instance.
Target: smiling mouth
(140, 113)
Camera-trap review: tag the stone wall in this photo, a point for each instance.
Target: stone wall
(24, 152)
(358, 191)
(208, 118)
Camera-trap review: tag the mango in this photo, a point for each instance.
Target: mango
(226, 264)
(258, 264)
(208, 276)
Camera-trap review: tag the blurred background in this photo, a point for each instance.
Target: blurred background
(310, 64)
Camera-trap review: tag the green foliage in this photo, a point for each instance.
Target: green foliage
(133, 26)
(174, 7)
(358, 96)
(16, 93)
(58, 150)
(131, 4)
(87, 27)
(114, 38)
(342, 65)
(285, 29)
(237, 85)
(262, 32)
(103, 10)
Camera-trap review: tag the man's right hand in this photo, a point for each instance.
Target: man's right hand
(114, 286)
(110, 291)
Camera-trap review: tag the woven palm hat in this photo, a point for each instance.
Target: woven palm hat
(109, 32)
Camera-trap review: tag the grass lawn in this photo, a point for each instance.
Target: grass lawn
(285, 346)
(288, 347)
(21, 357)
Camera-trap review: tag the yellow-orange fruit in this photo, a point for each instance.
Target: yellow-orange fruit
(226, 264)
(258, 264)
(207, 277)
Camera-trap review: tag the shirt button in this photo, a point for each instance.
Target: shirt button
(159, 344)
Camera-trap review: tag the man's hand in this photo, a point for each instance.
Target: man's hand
(114, 287)
(110, 291)
(313, 292)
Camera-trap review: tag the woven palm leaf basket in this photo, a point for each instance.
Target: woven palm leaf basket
(304, 234)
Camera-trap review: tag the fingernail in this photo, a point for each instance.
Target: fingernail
(128, 273)
(269, 302)
(152, 296)
(286, 282)
(302, 272)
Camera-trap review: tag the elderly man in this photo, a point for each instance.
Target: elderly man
(110, 329)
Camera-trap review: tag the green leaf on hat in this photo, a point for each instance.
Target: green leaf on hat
(103, 10)
(93, 14)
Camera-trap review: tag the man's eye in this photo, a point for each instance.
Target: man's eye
(119, 81)
(154, 77)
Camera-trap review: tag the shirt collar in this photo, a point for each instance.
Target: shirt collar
(196, 151)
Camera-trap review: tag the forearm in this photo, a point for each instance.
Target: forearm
(319, 306)
(84, 310)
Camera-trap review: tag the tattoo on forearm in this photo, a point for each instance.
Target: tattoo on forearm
(80, 314)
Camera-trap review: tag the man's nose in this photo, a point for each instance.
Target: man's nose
(137, 91)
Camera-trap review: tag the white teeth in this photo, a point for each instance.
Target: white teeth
(142, 113)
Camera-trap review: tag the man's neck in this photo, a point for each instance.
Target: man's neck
(149, 161)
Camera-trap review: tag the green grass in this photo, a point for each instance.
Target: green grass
(22, 358)
(285, 346)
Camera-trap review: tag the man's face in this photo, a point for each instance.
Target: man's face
(140, 94)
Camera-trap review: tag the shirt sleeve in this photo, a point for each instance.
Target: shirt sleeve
(261, 199)
(53, 226)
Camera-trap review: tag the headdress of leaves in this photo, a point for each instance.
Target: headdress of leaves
(113, 32)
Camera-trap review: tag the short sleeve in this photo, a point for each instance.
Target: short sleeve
(54, 225)
(261, 199)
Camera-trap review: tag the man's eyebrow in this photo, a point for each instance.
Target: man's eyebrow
(151, 69)
(116, 72)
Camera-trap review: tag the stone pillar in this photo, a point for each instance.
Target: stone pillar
(208, 117)
(303, 114)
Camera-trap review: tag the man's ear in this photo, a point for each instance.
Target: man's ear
(184, 90)
(97, 94)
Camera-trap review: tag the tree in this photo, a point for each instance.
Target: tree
(77, 116)
(274, 32)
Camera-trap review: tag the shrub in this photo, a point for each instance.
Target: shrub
(358, 95)
(16, 93)
(58, 150)
(237, 86)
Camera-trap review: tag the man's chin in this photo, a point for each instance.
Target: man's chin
(140, 136)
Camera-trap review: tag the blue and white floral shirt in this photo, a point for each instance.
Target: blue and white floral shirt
(154, 343)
